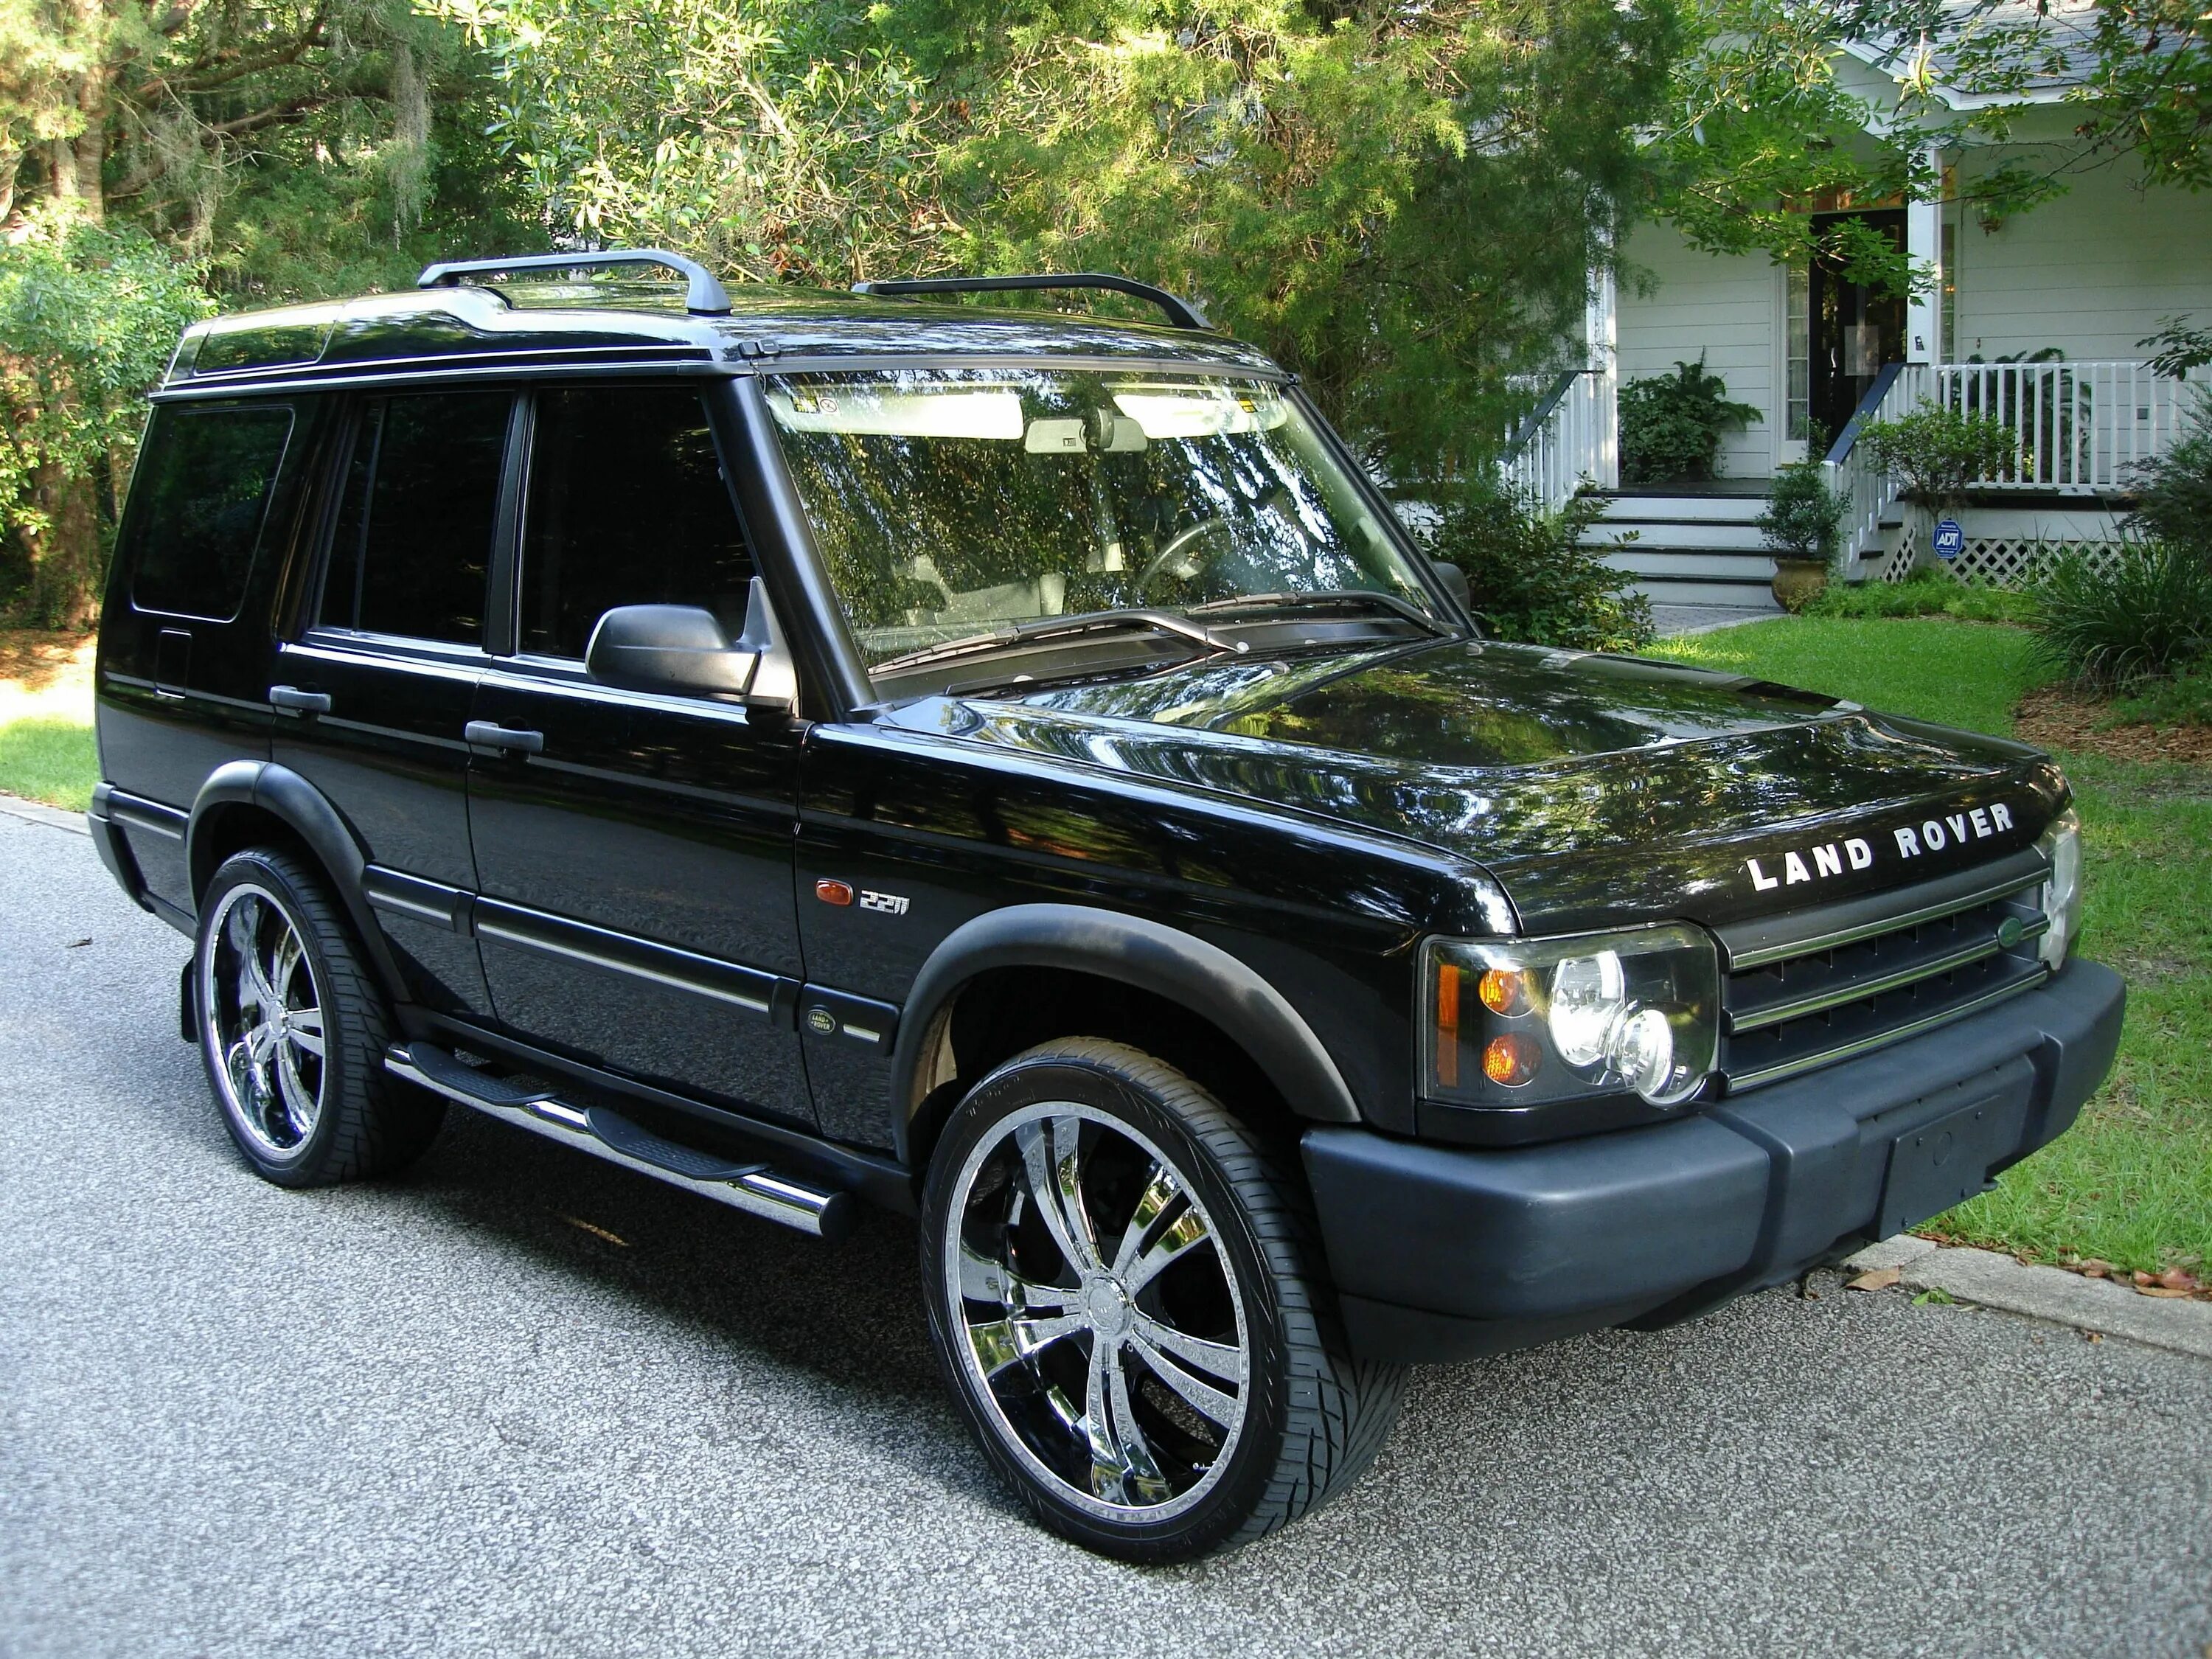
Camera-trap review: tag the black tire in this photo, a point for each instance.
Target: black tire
(364, 1121)
(1309, 1417)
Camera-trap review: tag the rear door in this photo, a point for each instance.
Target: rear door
(635, 849)
(374, 696)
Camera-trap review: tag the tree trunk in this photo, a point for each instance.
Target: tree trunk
(91, 145)
(65, 558)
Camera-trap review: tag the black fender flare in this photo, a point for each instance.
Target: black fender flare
(285, 795)
(1149, 955)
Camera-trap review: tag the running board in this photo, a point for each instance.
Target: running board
(756, 1188)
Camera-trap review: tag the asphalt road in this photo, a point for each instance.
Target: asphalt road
(449, 1414)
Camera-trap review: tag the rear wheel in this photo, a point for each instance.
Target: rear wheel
(293, 1031)
(1125, 1293)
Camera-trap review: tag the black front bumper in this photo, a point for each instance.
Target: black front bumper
(1445, 1252)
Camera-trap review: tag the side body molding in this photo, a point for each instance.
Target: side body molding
(1149, 955)
(283, 793)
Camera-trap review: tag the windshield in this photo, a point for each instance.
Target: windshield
(951, 503)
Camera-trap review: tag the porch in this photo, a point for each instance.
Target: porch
(2080, 430)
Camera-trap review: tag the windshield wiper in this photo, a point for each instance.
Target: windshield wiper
(1007, 634)
(1390, 602)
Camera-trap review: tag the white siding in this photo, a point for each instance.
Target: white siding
(1726, 307)
(2091, 273)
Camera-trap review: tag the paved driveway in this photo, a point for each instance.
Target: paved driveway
(451, 1415)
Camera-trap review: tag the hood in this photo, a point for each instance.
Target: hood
(1595, 788)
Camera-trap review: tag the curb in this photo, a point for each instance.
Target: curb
(1991, 1280)
(54, 817)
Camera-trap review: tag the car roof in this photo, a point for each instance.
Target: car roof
(524, 327)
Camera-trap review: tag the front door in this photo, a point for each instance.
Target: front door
(373, 697)
(1855, 329)
(634, 850)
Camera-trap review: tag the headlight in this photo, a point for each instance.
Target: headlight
(1529, 1022)
(2062, 894)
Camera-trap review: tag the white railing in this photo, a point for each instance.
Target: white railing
(1566, 441)
(1868, 493)
(2075, 427)
(2083, 426)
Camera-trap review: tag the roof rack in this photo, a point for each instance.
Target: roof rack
(1181, 312)
(705, 297)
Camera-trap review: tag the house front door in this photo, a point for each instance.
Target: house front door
(1854, 329)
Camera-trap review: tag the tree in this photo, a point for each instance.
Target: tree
(88, 314)
(1404, 203)
(277, 148)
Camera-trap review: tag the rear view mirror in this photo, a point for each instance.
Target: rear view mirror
(682, 648)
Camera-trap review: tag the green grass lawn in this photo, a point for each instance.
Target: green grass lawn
(50, 760)
(2132, 1182)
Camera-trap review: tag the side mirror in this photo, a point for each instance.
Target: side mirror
(682, 648)
(1455, 581)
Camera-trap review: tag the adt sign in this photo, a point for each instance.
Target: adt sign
(1950, 539)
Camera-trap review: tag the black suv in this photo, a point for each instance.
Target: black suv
(1016, 771)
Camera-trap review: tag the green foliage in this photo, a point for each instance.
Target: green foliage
(1531, 577)
(1804, 518)
(1927, 593)
(2116, 625)
(87, 318)
(1938, 452)
(2180, 347)
(2175, 500)
(2183, 699)
(1671, 425)
(1403, 204)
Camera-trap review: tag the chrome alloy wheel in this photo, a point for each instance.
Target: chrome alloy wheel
(1102, 1319)
(262, 1011)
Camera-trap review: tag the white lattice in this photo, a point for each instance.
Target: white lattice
(2006, 561)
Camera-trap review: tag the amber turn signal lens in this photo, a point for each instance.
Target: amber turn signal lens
(1504, 991)
(1447, 1025)
(1510, 1060)
(834, 892)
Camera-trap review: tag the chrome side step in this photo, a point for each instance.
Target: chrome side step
(756, 1188)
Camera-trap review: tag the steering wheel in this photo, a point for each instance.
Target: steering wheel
(1174, 546)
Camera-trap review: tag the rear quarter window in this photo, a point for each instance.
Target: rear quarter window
(200, 505)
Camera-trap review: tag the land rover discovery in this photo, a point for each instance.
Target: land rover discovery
(1014, 769)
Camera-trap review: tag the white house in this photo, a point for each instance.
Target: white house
(2077, 282)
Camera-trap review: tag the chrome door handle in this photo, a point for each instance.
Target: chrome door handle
(290, 697)
(490, 734)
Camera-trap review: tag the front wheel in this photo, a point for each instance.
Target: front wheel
(1125, 1293)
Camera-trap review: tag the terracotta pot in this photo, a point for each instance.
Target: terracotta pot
(1797, 582)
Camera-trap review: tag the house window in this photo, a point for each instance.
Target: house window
(1948, 279)
(1798, 311)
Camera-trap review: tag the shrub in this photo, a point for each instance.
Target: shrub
(1671, 425)
(1939, 451)
(2176, 490)
(1803, 516)
(1928, 592)
(2185, 699)
(2117, 626)
(1530, 577)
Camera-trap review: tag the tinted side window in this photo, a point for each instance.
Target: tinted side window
(415, 525)
(627, 506)
(202, 496)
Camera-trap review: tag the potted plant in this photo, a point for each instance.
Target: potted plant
(1937, 452)
(1671, 424)
(1802, 527)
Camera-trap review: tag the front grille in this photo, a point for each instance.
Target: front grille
(1819, 986)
